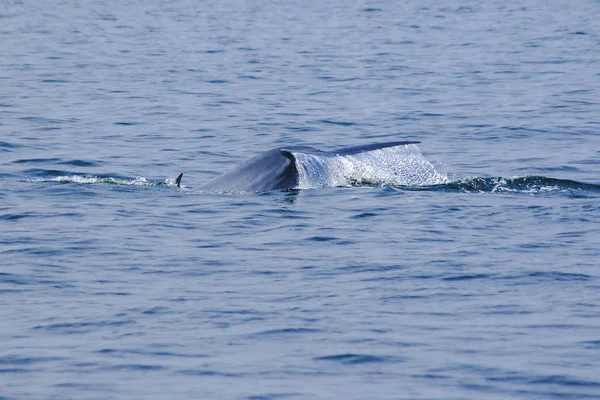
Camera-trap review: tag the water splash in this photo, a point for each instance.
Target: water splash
(393, 166)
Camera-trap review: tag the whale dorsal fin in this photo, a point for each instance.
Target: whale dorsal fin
(178, 180)
(369, 147)
(288, 154)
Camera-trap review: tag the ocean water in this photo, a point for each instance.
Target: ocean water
(479, 281)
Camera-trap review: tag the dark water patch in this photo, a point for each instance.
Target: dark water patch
(73, 385)
(166, 354)
(319, 93)
(334, 79)
(300, 128)
(20, 360)
(259, 272)
(157, 311)
(591, 344)
(37, 161)
(581, 102)
(432, 115)
(321, 239)
(286, 332)
(371, 268)
(556, 61)
(87, 364)
(135, 367)
(403, 297)
(543, 276)
(123, 123)
(562, 168)
(364, 215)
(37, 251)
(80, 163)
(113, 294)
(6, 146)
(332, 122)
(16, 217)
(231, 312)
(11, 291)
(26, 280)
(427, 276)
(371, 9)
(13, 371)
(208, 372)
(476, 126)
(273, 396)
(467, 277)
(353, 359)
(42, 120)
(560, 380)
(19, 216)
(523, 129)
(81, 327)
(559, 276)
(578, 91)
(564, 380)
(560, 328)
(508, 312)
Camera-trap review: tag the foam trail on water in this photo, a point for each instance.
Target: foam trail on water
(394, 166)
(93, 180)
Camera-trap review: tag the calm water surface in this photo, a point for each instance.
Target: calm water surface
(114, 283)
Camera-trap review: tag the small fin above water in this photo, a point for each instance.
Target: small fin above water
(288, 154)
(178, 180)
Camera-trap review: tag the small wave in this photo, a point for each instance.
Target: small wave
(392, 166)
(354, 358)
(7, 145)
(36, 160)
(24, 360)
(79, 163)
(521, 184)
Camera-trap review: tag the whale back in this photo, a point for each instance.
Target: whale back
(285, 168)
(267, 171)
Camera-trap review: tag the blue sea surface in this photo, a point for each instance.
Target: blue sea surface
(117, 284)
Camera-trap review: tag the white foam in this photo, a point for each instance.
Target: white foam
(393, 166)
(91, 180)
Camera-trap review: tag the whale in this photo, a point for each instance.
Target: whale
(280, 169)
